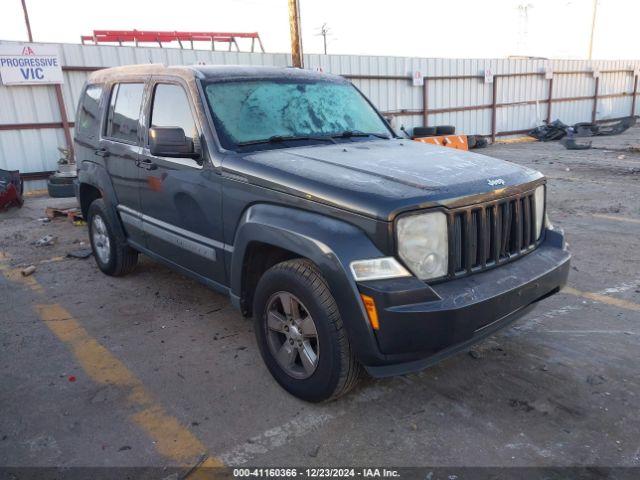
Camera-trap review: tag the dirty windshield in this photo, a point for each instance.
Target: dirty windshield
(271, 113)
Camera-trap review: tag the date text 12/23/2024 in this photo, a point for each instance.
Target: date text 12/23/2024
(315, 473)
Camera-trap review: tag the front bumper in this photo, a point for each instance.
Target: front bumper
(421, 324)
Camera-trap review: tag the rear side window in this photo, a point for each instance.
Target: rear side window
(171, 109)
(124, 112)
(89, 113)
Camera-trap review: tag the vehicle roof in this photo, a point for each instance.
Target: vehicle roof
(210, 72)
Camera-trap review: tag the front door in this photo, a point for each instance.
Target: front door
(181, 198)
(120, 147)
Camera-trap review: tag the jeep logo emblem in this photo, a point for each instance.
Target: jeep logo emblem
(495, 182)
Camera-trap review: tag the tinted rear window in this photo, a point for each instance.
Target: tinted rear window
(89, 113)
(124, 112)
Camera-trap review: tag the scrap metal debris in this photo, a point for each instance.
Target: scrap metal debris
(549, 131)
(28, 270)
(556, 130)
(571, 144)
(11, 189)
(81, 253)
(45, 241)
(73, 214)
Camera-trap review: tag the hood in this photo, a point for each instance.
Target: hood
(381, 178)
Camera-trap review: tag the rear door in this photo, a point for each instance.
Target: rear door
(120, 148)
(181, 198)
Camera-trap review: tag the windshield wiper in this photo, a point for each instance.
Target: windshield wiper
(358, 133)
(285, 138)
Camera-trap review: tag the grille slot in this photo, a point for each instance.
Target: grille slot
(490, 234)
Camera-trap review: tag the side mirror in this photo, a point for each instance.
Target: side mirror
(171, 142)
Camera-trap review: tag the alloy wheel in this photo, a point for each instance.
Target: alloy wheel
(291, 335)
(100, 237)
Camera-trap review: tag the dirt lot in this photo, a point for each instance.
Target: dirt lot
(154, 369)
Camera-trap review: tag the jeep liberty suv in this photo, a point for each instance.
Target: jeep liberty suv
(286, 190)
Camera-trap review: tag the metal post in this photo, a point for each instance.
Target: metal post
(635, 93)
(26, 20)
(494, 100)
(550, 100)
(425, 102)
(296, 38)
(260, 43)
(64, 119)
(595, 100)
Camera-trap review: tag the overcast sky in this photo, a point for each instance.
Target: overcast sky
(422, 28)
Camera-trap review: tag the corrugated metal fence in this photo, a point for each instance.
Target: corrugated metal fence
(454, 93)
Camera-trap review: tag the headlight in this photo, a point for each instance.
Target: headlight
(539, 201)
(423, 244)
(378, 269)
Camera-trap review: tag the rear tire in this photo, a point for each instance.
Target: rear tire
(314, 315)
(110, 249)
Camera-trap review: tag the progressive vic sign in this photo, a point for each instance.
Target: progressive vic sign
(29, 64)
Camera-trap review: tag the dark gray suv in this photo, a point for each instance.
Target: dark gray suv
(287, 191)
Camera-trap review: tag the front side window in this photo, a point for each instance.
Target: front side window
(124, 112)
(171, 109)
(89, 113)
(251, 111)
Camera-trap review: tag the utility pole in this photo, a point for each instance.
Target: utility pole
(26, 20)
(296, 35)
(324, 32)
(593, 27)
(523, 34)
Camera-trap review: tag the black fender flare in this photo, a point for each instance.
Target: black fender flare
(96, 175)
(330, 243)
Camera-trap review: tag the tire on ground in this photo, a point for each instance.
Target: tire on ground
(60, 180)
(445, 130)
(471, 141)
(419, 132)
(122, 258)
(337, 371)
(59, 189)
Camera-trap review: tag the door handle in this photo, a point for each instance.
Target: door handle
(102, 152)
(146, 164)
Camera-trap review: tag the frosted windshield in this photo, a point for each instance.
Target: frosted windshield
(249, 111)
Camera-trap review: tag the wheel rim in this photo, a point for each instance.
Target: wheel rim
(101, 242)
(292, 335)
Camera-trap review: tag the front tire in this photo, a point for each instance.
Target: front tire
(110, 249)
(300, 333)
